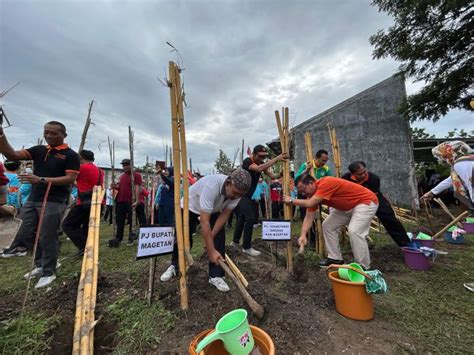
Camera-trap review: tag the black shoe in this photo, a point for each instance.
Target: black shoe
(329, 261)
(114, 243)
(14, 251)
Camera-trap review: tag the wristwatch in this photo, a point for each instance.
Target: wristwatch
(42, 180)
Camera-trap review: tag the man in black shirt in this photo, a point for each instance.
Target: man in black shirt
(358, 173)
(54, 164)
(255, 166)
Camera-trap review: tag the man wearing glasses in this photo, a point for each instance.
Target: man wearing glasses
(255, 165)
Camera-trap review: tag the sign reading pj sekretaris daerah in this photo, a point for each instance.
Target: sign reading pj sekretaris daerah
(154, 240)
(276, 230)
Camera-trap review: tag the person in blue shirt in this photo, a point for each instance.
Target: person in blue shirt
(14, 183)
(166, 197)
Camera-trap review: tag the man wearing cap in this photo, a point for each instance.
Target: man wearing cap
(125, 202)
(55, 169)
(255, 165)
(76, 223)
(211, 201)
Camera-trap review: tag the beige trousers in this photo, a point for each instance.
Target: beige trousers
(357, 221)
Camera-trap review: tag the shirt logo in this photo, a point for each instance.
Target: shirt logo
(60, 156)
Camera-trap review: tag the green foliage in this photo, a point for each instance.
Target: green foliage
(139, 324)
(420, 133)
(433, 40)
(461, 134)
(26, 335)
(223, 164)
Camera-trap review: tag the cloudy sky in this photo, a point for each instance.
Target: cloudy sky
(242, 60)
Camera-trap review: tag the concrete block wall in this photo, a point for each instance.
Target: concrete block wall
(369, 128)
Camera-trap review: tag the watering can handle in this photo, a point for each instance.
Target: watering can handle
(335, 266)
(215, 335)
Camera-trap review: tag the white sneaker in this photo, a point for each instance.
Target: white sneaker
(219, 283)
(33, 273)
(168, 274)
(251, 252)
(45, 281)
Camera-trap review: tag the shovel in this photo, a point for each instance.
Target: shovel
(256, 308)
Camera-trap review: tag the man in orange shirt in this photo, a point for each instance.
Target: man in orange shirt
(353, 206)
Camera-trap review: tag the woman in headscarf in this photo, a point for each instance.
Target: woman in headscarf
(460, 157)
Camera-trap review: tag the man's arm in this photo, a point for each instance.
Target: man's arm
(7, 150)
(212, 253)
(307, 223)
(220, 222)
(263, 167)
(68, 179)
(306, 203)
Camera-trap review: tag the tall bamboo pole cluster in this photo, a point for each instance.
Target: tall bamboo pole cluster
(112, 165)
(180, 172)
(319, 226)
(83, 338)
(335, 150)
(284, 133)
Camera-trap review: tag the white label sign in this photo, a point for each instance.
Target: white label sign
(276, 230)
(155, 240)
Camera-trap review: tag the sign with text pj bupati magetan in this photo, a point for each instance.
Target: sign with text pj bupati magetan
(155, 240)
(276, 230)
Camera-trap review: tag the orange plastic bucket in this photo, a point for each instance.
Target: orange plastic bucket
(352, 300)
(261, 338)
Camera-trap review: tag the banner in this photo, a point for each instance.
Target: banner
(155, 240)
(276, 230)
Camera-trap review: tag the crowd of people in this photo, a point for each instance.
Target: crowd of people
(45, 174)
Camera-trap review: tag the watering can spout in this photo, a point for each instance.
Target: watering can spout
(207, 340)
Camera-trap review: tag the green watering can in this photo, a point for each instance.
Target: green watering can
(234, 331)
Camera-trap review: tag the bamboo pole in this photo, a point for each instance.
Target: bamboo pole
(445, 209)
(236, 271)
(184, 168)
(132, 176)
(86, 127)
(427, 214)
(112, 165)
(454, 221)
(174, 95)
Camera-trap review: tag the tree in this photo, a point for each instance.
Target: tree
(461, 134)
(433, 40)
(223, 164)
(420, 133)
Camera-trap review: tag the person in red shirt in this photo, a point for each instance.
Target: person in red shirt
(126, 201)
(140, 210)
(352, 205)
(4, 209)
(76, 223)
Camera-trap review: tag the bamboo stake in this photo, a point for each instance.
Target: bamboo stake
(112, 165)
(86, 127)
(174, 88)
(287, 209)
(92, 322)
(454, 221)
(427, 214)
(184, 168)
(445, 209)
(132, 176)
(236, 271)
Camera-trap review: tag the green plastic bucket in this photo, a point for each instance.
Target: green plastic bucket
(350, 275)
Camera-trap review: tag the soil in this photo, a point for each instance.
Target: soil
(300, 314)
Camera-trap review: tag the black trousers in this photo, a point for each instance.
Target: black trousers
(140, 212)
(245, 222)
(166, 215)
(108, 213)
(219, 244)
(123, 211)
(390, 222)
(263, 208)
(277, 209)
(76, 225)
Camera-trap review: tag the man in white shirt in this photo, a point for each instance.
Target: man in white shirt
(211, 201)
(109, 203)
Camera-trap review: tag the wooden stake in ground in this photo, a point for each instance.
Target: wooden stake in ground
(445, 209)
(86, 127)
(132, 177)
(175, 96)
(284, 133)
(112, 165)
(427, 213)
(83, 337)
(335, 150)
(319, 225)
(454, 221)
